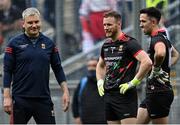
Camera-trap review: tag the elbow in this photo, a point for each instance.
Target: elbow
(160, 55)
(178, 56)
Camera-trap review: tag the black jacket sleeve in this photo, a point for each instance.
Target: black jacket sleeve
(75, 103)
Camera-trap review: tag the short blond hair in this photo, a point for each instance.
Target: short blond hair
(30, 12)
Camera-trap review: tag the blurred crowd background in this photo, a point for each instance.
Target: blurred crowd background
(75, 26)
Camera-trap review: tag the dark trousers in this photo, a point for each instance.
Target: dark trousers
(39, 108)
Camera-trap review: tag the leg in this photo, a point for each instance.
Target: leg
(44, 112)
(159, 107)
(163, 120)
(128, 121)
(122, 109)
(20, 115)
(142, 116)
(111, 116)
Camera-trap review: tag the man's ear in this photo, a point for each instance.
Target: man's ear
(23, 24)
(154, 21)
(119, 24)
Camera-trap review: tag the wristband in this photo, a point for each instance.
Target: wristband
(100, 82)
(135, 81)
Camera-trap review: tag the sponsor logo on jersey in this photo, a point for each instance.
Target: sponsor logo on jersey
(23, 46)
(43, 46)
(112, 49)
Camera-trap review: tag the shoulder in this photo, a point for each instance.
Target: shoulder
(82, 84)
(132, 45)
(130, 41)
(126, 38)
(46, 39)
(17, 38)
(159, 37)
(84, 79)
(15, 41)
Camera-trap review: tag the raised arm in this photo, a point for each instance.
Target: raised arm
(145, 65)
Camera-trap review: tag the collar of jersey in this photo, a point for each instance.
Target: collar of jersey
(157, 31)
(123, 37)
(39, 37)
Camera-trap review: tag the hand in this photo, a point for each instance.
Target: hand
(65, 97)
(126, 86)
(66, 101)
(100, 85)
(160, 75)
(8, 105)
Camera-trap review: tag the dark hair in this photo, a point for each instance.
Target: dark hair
(152, 12)
(114, 14)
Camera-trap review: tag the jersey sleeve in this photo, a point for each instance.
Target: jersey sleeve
(102, 52)
(160, 38)
(134, 47)
(8, 65)
(155, 40)
(56, 65)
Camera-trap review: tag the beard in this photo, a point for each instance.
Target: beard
(112, 33)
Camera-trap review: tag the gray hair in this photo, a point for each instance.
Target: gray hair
(30, 12)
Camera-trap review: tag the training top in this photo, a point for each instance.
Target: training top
(87, 104)
(27, 65)
(120, 61)
(160, 36)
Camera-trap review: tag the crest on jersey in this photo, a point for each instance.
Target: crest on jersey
(43, 46)
(121, 48)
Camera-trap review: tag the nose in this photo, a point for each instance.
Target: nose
(141, 25)
(105, 26)
(34, 25)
